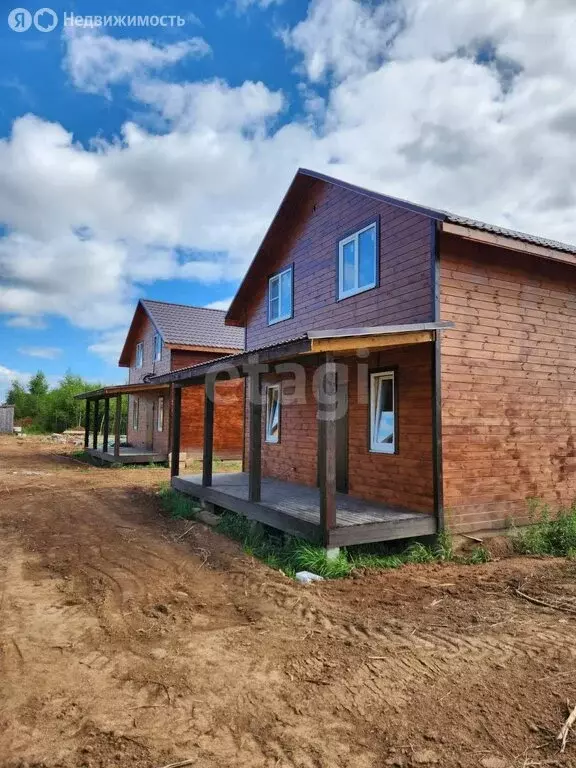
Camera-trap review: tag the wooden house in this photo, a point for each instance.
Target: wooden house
(408, 369)
(165, 337)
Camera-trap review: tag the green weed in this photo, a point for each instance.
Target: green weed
(177, 505)
(547, 535)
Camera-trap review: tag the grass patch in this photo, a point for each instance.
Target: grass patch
(178, 506)
(547, 535)
(290, 555)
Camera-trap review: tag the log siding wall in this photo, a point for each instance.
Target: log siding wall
(404, 479)
(228, 419)
(508, 384)
(404, 292)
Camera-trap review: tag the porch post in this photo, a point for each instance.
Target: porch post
(117, 417)
(207, 456)
(106, 424)
(96, 417)
(255, 445)
(175, 463)
(326, 415)
(87, 424)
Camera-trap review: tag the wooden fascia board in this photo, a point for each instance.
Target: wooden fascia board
(511, 243)
(197, 348)
(351, 343)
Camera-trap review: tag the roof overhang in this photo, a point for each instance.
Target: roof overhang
(509, 242)
(342, 341)
(197, 348)
(120, 389)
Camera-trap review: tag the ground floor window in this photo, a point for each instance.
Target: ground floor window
(160, 415)
(383, 438)
(273, 413)
(135, 413)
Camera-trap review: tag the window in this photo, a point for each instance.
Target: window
(160, 415)
(157, 347)
(135, 413)
(139, 354)
(357, 262)
(273, 413)
(280, 296)
(382, 412)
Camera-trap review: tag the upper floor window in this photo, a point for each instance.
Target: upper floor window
(280, 290)
(157, 347)
(273, 413)
(383, 412)
(139, 354)
(357, 262)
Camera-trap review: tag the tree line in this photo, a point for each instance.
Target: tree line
(41, 409)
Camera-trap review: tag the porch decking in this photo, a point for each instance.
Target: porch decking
(295, 509)
(128, 456)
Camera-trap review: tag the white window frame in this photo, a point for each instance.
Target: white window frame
(278, 278)
(355, 238)
(269, 436)
(375, 380)
(160, 415)
(136, 414)
(157, 347)
(140, 354)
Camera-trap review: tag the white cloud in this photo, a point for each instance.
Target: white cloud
(7, 376)
(26, 321)
(243, 5)
(458, 104)
(47, 353)
(220, 303)
(345, 37)
(95, 61)
(109, 345)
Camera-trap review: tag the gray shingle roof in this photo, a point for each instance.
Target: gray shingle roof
(193, 326)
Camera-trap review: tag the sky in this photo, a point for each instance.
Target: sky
(148, 161)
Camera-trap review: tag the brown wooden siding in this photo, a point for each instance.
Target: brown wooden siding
(146, 333)
(508, 384)
(404, 293)
(228, 421)
(403, 479)
(148, 410)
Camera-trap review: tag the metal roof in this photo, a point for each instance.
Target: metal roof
(297, 191)
(544, 242)
(181, 324)
(120, 389)
(442, 215)
(290, 348)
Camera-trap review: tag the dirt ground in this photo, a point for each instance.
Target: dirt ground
(127, 639)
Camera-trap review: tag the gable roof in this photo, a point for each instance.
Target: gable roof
(182, 325)
(293, 202)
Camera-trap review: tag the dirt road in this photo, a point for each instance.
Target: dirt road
(130, 640)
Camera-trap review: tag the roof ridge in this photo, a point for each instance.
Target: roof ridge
(178, 304)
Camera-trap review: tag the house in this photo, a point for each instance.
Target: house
(6, 419)
(164, 337)
(408, 370)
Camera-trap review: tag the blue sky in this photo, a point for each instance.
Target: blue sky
(148, 161)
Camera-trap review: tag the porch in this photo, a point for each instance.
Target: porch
(311, 471)
(105, 425)
(295, 509)
(127, 455)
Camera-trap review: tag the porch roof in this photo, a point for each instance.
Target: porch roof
(120, 389)
(339, 340)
